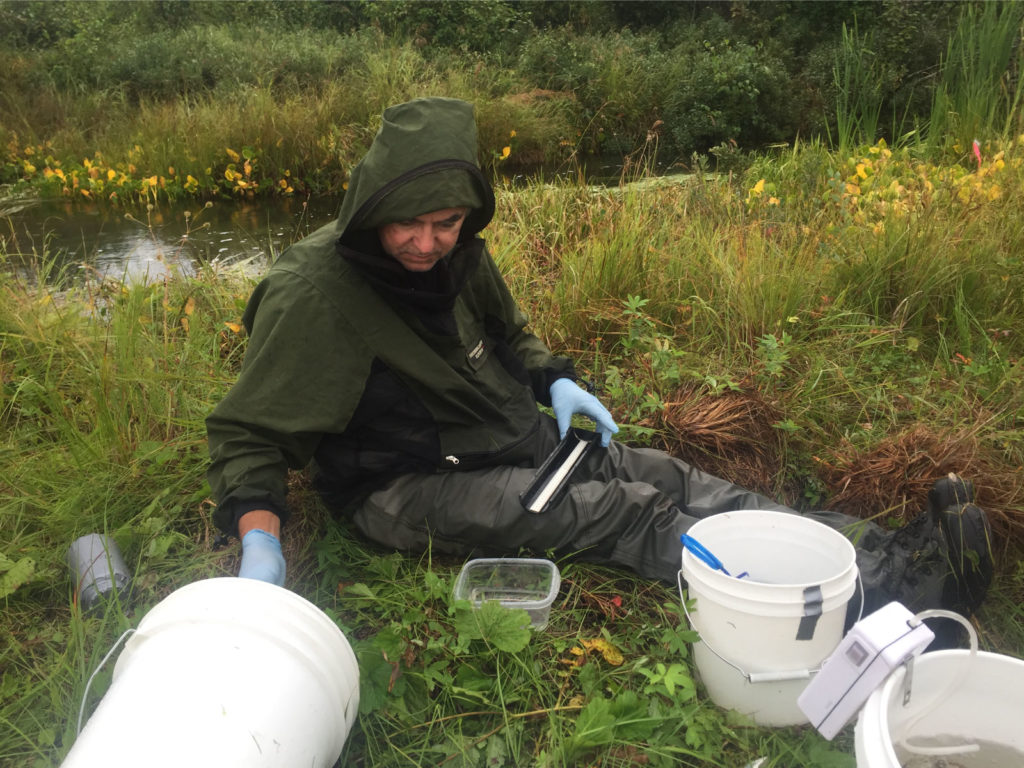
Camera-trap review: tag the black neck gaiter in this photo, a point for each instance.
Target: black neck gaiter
(431, 294)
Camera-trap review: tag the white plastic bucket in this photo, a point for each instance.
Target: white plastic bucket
(763, 636)
(953, 698)
(225, 673)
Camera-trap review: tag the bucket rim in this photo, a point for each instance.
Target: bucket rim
(846, 567)
(718, 582)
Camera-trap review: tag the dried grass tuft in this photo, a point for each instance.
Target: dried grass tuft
(730, 436)
(891, 480)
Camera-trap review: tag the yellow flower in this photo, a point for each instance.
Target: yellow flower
(512, 134)
(235, 157)
(505, 152)
(111, 173)
(758, 188)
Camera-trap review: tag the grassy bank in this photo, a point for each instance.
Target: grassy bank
(835, 331)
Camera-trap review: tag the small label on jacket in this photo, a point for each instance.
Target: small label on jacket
(477, 354)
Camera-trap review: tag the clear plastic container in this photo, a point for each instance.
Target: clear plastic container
(530, 584)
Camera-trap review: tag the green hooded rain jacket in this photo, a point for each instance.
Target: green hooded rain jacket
(370, 371)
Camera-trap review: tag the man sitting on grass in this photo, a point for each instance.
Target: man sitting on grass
(386, 351)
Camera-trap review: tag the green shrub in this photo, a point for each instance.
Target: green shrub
(614, 77)
(718, 90)
(443, 26)
(204, 59)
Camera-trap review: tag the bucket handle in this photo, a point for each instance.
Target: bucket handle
(88, 684)
(761, 677)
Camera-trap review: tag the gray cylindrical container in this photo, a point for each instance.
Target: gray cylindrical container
(97, 567)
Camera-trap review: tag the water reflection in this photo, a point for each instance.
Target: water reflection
(146, 245)
(141, 245)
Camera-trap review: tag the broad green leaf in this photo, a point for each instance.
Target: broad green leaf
(436, 586)
(632, 720)
(358, 590)
(506, 629)
(496, 752)
(15, 573)
(469, 678)
(678, 676)
(826, 756)
(595, 725)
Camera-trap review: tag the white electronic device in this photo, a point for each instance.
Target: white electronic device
(873, 648)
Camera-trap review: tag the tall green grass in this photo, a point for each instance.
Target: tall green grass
(859, 89)
(855, 320)
(981, 87)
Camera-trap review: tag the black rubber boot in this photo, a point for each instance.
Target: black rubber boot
(968, 538)
(940, 559)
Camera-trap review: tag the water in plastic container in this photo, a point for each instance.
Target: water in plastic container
(990, 754)
(956, 699)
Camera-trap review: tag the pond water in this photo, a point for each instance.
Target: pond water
(145, 245)
(142, 244)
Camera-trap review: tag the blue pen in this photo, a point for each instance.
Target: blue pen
(701, 553)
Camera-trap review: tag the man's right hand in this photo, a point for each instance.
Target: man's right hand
(262, 558)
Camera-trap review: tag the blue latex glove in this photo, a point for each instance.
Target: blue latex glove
(568, 398)
(262, 558)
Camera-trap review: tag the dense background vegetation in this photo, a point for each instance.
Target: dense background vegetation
(834, 319)
(158, 92)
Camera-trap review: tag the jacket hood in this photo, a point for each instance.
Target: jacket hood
(423, 159)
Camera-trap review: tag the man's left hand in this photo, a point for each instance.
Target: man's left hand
(262, 558)
(568, 398)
